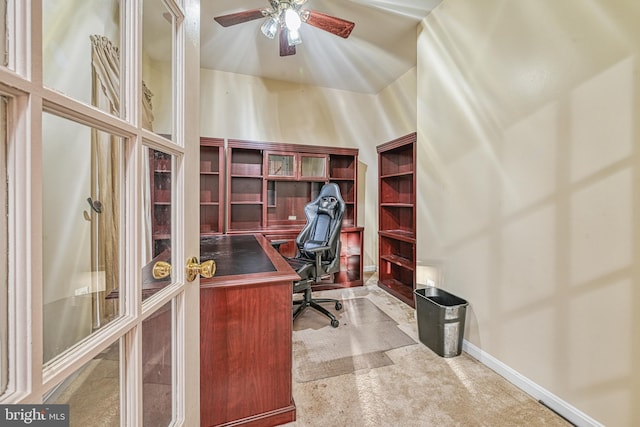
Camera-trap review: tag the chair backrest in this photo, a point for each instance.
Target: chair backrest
(324, 222)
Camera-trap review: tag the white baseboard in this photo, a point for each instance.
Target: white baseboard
(547, 398)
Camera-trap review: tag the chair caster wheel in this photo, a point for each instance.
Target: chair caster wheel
(335, 323)
(338, 305)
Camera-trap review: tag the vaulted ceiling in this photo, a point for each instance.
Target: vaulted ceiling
(381, 48)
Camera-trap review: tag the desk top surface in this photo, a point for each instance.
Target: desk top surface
(239, 254)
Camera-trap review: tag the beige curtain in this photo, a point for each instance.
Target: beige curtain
(105, 60)
(107, 157)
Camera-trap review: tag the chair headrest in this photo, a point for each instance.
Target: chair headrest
(328, 206)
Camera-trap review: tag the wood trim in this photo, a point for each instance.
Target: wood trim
(281, 146)
(211, 142)
(399, 142)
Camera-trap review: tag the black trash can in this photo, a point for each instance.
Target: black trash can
(441, 317)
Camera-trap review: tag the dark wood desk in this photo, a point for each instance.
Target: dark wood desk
(245, 334)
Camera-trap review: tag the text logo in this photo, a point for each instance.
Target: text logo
(34, 415)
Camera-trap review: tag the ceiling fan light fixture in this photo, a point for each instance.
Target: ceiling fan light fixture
(293, 37)
(270, 27)
(292, 19)
(284, 18)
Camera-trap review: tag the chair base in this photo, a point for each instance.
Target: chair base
(314, 303)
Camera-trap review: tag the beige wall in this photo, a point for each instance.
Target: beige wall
(528, 193)
(244, 107)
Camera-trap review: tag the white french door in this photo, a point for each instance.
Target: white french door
(99, 135)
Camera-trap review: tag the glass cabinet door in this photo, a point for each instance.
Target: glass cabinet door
(281, 165)
(313, 166)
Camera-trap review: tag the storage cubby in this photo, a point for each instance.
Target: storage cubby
(245, 162)
(286, 207)
(395, 278)
(397, 251)
(246, 217)
(246, 189)
(342, 167)
(396, 190)
(397, 160)
(397, 217)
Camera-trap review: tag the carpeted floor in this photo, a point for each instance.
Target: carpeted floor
(372, 371)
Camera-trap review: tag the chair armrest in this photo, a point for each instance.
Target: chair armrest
(318, 249)
(277, 243)
(315, 251)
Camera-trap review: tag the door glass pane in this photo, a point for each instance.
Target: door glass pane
(4, 232)
(92, 392)
(157, 67)
(4, 54)
(157, 368)
(80, 50)
(156, 271)
(82, 170)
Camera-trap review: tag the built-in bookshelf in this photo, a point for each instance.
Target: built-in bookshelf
(269, 185)
(397, 217)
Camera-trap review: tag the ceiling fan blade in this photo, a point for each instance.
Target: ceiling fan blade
(285, 49)
(239, 17)
(337, 26)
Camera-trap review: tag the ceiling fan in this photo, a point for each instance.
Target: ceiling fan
(286, 16)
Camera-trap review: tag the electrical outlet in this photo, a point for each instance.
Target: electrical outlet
(292, 217)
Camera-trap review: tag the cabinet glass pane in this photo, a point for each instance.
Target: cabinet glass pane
(313, 167)
(281, 165)
(82, 217)
(81, 51)
(4, 248)
(93, 391)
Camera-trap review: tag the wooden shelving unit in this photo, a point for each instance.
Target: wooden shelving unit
(245, 190)
(397, 217)
(211, 192)
(269, 185)
(211, 188)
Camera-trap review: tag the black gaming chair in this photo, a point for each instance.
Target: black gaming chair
(318, 249)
